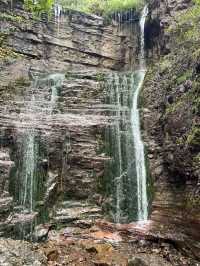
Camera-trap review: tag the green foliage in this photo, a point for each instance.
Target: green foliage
(165, 65)
(41, 6)
(193, 201)
(187, 24)
(103, 7)
(184, 77)
(193, 138)
(10, 17)
(197, 2)
(174, 107)
(197, 159)
(6, 53)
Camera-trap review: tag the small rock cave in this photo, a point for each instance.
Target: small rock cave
(152, 32)
(155, 43)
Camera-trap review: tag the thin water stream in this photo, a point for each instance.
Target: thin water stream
(135, 120)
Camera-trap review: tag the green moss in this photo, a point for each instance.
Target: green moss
(22, 81)
(193, 137)
(196, 159)
(173, 107)
(100, 77)
(196, 54)
(10, 17)
(187, 25)
(196, 106)
(184, 77)
(6, 52)
(16, 87)
(165, 65)
(193, 202)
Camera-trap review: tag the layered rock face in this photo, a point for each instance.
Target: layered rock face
(52, 86)
(53, 116)
(171, 122)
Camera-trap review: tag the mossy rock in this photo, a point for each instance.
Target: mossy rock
(174, 107)
(185, 76)
(11, 17)
(193, 138)
(165, 65)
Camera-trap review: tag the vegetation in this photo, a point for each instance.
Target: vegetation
(103, 7)
(5, 51)
(41, 6)
(194, 136)
(10, 17)
(190, 20)
(185, 76)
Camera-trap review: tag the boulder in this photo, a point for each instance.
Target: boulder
(136, 262)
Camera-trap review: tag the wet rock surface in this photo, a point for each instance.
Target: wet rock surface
(66, 130)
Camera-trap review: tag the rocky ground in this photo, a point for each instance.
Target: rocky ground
(101, 244)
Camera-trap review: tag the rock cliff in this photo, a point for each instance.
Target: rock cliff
(71, 54)
(74, 55)
(171, 122)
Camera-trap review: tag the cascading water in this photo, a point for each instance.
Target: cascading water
(28, 171)
(135, 120)
(126, 172)
(40, 103)
(57, 14)
(119, 184)
(119, 145)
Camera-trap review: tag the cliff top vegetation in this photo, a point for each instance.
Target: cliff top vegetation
(101, 7)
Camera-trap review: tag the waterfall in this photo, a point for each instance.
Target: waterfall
(135, 120)
(57, 14)
(126, 172)
(28, 171)
(41, 101)
(55, 82)
(119, 184)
